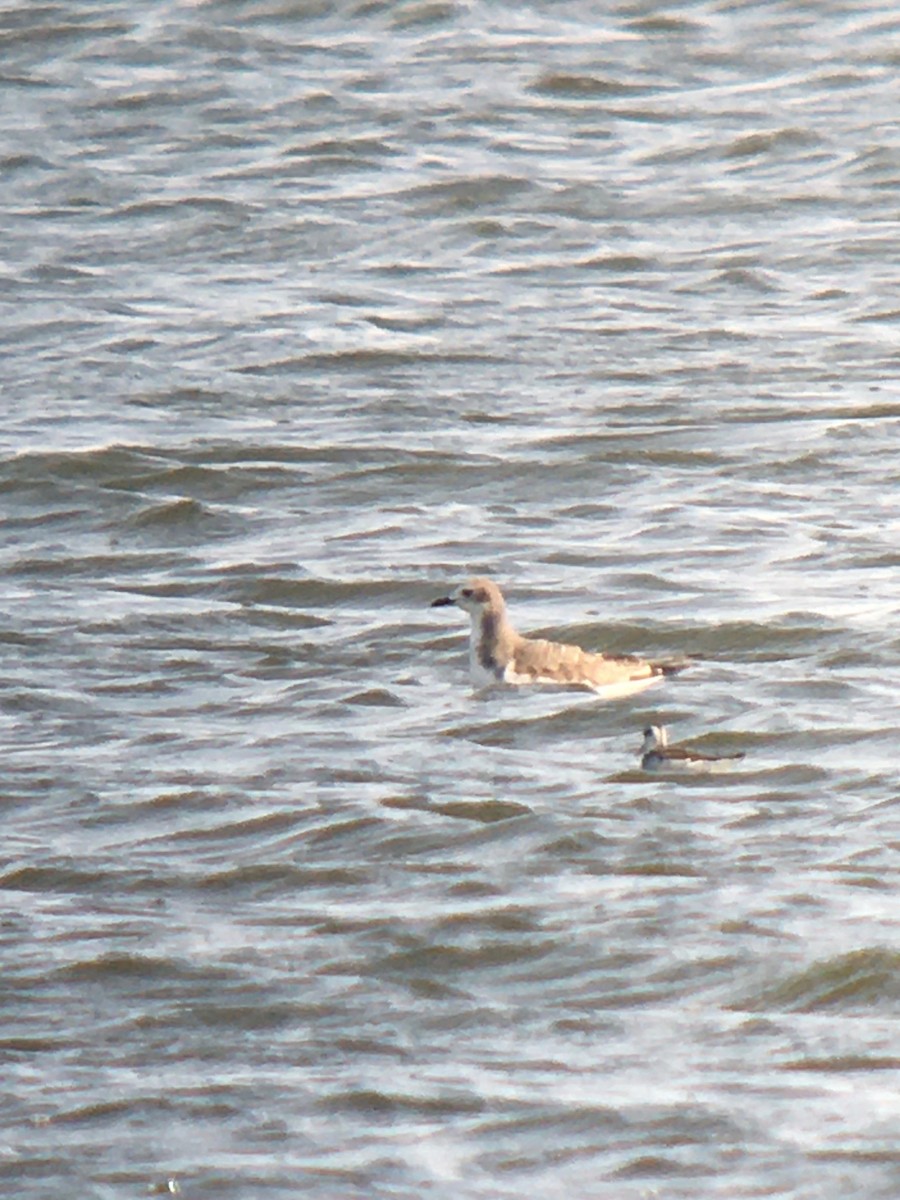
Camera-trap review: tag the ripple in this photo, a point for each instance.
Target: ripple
(861, 979)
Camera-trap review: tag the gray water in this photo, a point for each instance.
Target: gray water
(309, 311)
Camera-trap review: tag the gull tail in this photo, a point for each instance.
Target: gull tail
(673, 666)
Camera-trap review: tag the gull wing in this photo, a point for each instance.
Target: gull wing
(540, 661)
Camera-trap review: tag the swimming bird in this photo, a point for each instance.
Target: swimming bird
(498, 654)
(658, 755)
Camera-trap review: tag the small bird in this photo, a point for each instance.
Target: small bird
(498, 654)
(657, 755)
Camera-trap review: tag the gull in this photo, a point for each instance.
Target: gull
(498, 654)
(658, 755)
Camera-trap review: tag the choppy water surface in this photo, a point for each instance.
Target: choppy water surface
(309, 311)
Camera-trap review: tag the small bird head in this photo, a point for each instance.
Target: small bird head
(655, 738)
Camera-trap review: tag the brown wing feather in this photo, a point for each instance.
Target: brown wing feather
(540, 659)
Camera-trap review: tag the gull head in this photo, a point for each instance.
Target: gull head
(478, 595)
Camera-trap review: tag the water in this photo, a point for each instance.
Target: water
(309, 311)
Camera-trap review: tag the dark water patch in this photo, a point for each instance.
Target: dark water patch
(509, 918)
(667, 25)
(24, 641)
(865, 559)
(282, 878)
(94, 465)
(855, 878)
(496, 953)
(465, 195)
(252, 587)
(754, 929)
(816, 410)
(182, 205)
(344, 147)
(641, 446)
(331, 163)
(368, 359)
(618, 264)
(842, 1063)
(594, 510)
(370, 1047)
(424, 14)
(343, 771)
(62, 274)
(180, 516)
(248, 827)
(358, 832)
(129, 346)
(137, 1108)
(84, 565)
(53, 29)
(199, 630)
(583, 845)
(725, 782)
(364, 535)
(312, 451)
(135, 686)
(388, 1106)
(377, 698)
(554, 1125)
(658, 1166)
(26, 1046)
(180, 800)
(250, 1018)
(484, 811)
(860, 980)
(408, 323)
(111, 969)
(884, 1156)
(432, 847)
(509, 733)
(64, 879)
(278, 618)
(785, 637)
(660, 867)
(741, 277)
(766, 142)
(570, 86)
(181, 400)
(415, 803)
(11, 163)
(209, 482)
(783, 795)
